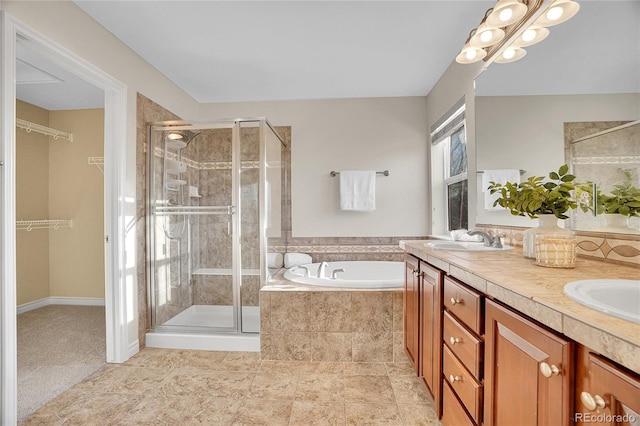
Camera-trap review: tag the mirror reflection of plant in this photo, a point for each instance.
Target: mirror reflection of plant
(535, 197)
(624, 199)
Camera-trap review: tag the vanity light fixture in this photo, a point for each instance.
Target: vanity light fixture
(506, 29)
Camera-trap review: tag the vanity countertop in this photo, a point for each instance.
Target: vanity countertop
(537, 292)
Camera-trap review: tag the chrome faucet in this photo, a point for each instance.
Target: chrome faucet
(489, 241)
(306, 270)
(334, 273)
(321, 269)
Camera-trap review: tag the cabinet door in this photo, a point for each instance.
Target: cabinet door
(411, 309)
(431, 330)
(605, 393)
(528, 372)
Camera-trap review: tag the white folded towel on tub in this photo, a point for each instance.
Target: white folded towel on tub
(358, 190)
(274, 260)
(296, 259)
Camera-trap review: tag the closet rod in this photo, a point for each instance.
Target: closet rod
(44, 224)
(39, 128)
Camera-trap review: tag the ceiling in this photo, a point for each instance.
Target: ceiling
(234, 51)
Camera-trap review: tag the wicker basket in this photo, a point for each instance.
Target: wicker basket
(555, 251)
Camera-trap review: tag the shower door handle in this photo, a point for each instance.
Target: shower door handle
(232, 211)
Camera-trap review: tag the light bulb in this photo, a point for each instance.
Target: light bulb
(554, 13)
(174, 136)
(529, 35)
(509, 53)
(506, 14)
(486, 36)
(471, 54)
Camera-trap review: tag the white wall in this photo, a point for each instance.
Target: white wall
(526, 132)
(69, 27)
(350, 134)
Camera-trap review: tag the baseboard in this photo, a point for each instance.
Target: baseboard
(54, 300)
(134, 348)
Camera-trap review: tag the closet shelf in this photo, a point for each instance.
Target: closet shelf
(28, 225)
(98, 162)
(38, 128)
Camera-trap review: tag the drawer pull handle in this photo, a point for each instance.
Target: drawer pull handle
(454, 379)
(592, 402)
(549, 370)
(454, 340)
(455, 301)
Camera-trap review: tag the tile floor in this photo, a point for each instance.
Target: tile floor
(182, 387)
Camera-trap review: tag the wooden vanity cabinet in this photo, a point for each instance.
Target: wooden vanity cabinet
(423, 323)
(431, 330)
(411, 308)
(528, 371)
(606, 394)
(462, 345)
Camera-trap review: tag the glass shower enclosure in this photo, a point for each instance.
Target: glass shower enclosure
(214, 201)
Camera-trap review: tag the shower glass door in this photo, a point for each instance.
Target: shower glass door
(192, 226)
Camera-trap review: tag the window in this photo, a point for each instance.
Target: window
(449, 187)
(455, 180)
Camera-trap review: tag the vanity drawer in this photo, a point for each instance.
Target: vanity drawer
(464, 303)
(469, 391)
(466, 346)
(453, 414)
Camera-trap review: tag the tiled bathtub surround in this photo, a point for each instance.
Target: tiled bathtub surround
(304, 323)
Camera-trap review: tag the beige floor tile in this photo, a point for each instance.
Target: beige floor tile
(183, 410)
(322, 367)
(188, 381)
(273, 386)
(400, 369)
(106, 408)
(309, 413)
(418, 414)
(289, 367)
(408, 389)
(125, 380)
(160, 358)
(365, 369)
(368, 389)
(320, 387)
(361, 413)
(263, 412)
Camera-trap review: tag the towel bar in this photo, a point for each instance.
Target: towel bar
(385, 173)
(521, 171)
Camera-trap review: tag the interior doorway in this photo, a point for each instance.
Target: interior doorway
(119, 300)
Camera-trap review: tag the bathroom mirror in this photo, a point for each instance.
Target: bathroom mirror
(585, 71)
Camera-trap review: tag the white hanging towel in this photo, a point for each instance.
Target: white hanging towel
(358, 190)
(501, 176)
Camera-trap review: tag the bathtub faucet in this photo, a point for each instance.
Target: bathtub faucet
(489, 241)
(334, 273)
(321, 270)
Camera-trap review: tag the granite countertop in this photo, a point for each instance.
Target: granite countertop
(537, 292)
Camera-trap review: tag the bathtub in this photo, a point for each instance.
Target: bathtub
(357, 274)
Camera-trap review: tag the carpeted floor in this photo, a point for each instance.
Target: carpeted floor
(58, 347)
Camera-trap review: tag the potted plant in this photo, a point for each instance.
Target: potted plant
(547, 201)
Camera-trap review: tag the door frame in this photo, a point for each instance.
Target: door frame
(120, 292)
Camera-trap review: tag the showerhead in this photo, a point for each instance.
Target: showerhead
(185, 136)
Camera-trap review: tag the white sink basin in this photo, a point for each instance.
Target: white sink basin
(463, 246)
(620, 298)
